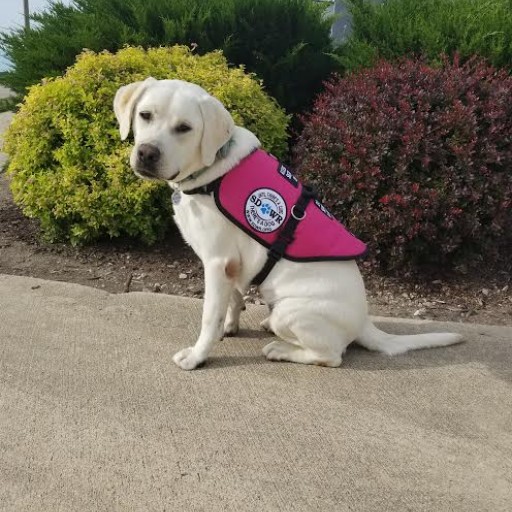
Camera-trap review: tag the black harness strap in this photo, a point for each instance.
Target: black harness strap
(286, 236)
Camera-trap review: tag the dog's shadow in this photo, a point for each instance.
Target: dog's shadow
(480, 348)
(247, 340)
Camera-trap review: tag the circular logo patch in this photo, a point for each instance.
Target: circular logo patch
(265, 210)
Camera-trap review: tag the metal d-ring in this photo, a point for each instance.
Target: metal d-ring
(295, 216)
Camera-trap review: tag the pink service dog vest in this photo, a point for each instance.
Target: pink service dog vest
(258, 196)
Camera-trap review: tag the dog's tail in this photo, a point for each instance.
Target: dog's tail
(392, 344)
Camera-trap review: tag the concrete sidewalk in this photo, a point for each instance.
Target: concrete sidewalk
(94, 416)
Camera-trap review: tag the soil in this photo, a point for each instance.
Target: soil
(171, 267)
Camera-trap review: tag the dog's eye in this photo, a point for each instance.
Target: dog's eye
(183, 128)
(145, 115)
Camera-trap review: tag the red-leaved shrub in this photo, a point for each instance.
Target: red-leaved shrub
(416, 160)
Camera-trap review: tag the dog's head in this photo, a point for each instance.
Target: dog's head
(178, 127)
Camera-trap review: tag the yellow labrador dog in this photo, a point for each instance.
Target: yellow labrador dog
(186, 137)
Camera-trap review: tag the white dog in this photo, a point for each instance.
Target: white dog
(187, 138)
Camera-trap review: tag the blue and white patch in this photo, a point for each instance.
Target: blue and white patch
(265, 210)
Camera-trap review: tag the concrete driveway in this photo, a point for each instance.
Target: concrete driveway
(94, 416)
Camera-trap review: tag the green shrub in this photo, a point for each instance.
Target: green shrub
(69, 167)
(429, 28)
(285, 42)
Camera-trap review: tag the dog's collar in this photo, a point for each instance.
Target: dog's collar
(204, 189)
(208, 188)
(221, 153)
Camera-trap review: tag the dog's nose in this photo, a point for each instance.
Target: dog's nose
(148, 155)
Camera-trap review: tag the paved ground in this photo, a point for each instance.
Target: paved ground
(95, 417)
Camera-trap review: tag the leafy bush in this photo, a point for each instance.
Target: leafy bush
(396, 28)
(285, 42)
(69, 167)
(417, 160)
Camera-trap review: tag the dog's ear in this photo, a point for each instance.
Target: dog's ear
(124, 104)
(217, 130)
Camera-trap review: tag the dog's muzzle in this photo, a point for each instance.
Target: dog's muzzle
(148, 157)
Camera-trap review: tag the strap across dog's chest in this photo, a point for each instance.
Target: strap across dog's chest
(286, 234)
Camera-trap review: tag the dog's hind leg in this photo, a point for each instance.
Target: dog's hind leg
(306, 339)
(283, 351)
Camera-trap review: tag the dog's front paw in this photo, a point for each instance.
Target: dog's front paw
(186, 359)
(231, 327)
